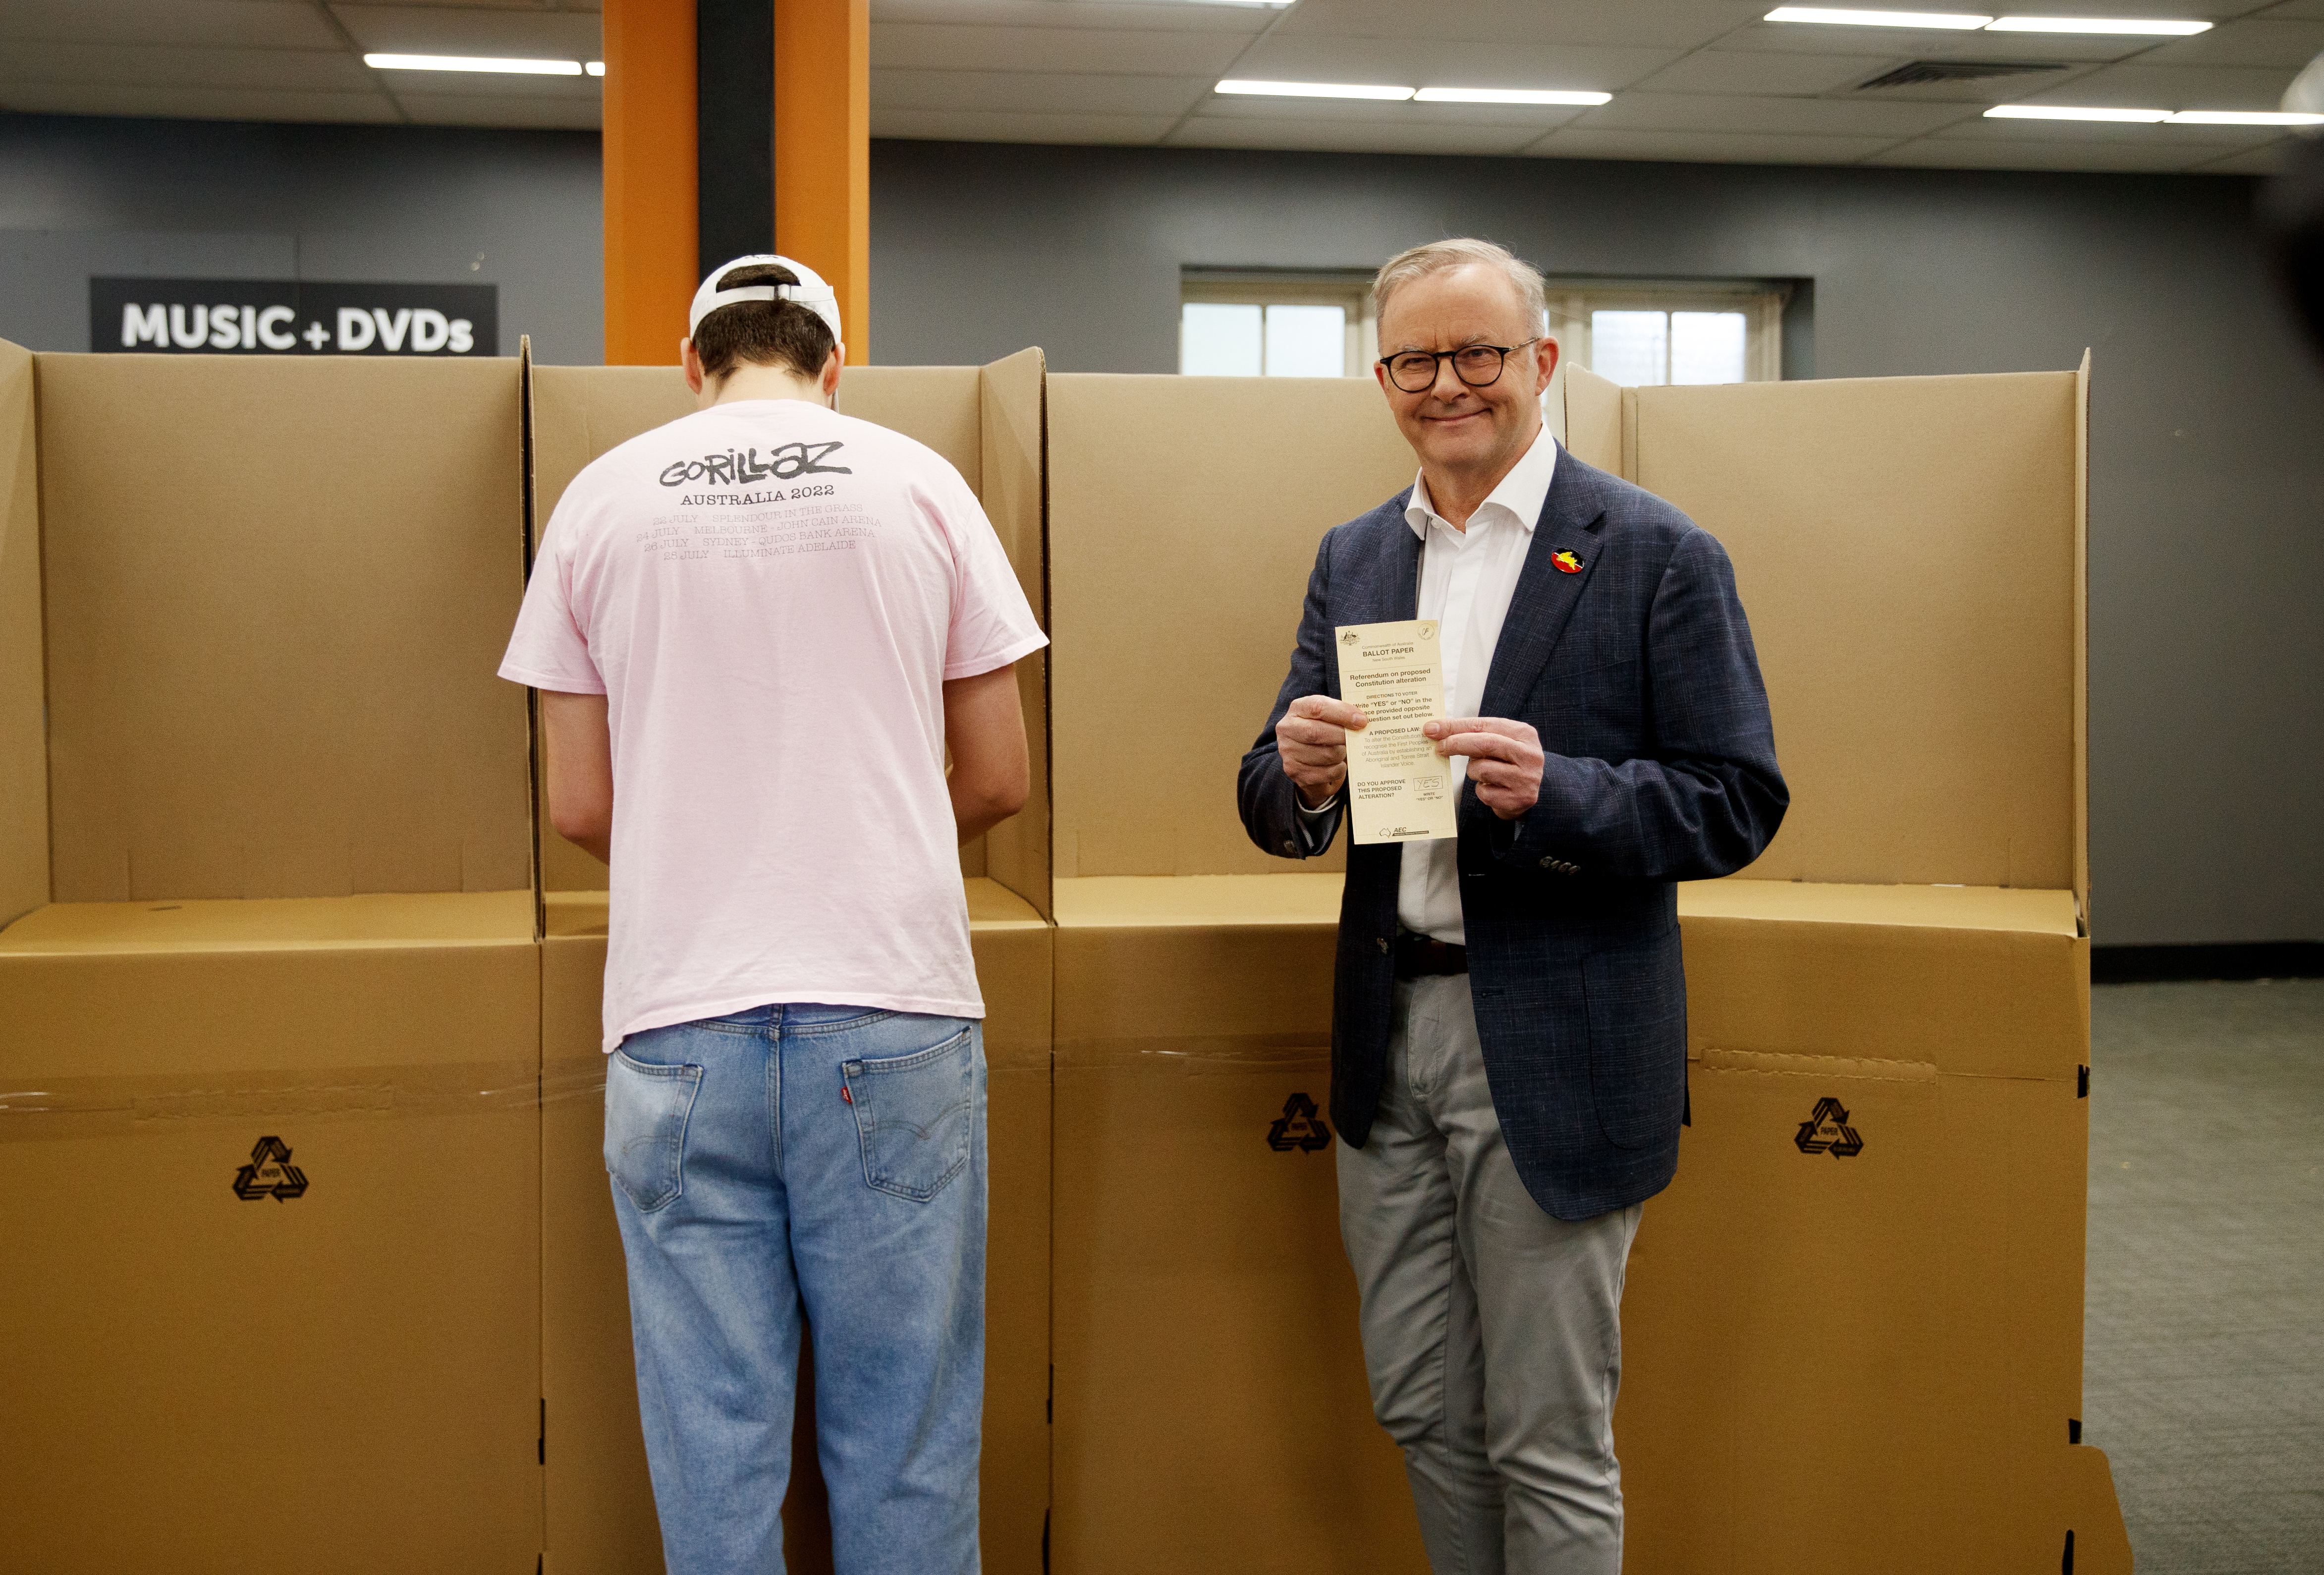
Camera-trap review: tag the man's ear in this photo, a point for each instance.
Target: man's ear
(1545, 358)
(690, 359)
(831, 366)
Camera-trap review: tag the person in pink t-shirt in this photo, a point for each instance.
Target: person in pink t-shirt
(758, 631)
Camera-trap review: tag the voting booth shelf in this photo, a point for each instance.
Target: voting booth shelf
(269, 982)
(1883, 1345)
(988, 422)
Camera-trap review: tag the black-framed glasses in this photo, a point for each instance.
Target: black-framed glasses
(1478, 365)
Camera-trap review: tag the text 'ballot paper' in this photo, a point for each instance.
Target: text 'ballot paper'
(1399, 788)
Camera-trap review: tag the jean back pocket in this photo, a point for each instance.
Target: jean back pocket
(913, 1116)
(646, 1111)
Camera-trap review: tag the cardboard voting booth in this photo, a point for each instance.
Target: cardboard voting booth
(988, 421)
(1211, 1407)
(268, 1027)
(1860, 1303)
(1881, 1346)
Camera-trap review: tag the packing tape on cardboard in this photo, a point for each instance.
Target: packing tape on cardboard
(1196, 1053)
(91, 1106)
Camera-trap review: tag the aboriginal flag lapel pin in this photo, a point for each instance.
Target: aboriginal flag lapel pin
(1567, 563)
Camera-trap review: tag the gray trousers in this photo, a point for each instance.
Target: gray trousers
(1492, 1328)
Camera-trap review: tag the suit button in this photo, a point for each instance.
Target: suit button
(1381, 942)
(1549, 863)
(1291, 847)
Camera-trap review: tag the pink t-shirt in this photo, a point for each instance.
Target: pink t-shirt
(770, 596)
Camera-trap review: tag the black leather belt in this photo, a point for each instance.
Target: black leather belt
(1418, 955)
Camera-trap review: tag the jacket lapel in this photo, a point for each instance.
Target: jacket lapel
(1546, 593)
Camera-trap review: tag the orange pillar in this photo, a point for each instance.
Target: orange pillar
(650, 185)
(823, 149)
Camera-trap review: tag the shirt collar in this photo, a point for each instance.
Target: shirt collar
(1522, 492)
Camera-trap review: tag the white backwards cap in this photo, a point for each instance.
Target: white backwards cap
(810, 291)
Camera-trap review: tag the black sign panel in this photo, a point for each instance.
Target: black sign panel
(289, 316)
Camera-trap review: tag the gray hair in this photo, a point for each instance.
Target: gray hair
(1444, 256)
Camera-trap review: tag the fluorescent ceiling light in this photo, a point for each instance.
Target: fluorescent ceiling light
(594, 67)
(472, 64)
(2069, 112)
(1314, 89)
(1925, 19)
(2243, 117)
(1509, 96)
(2118, 24)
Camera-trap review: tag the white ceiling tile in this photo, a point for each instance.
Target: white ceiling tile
(964, 126)
(2139, 86)
(1720, 112)
(1727, 71)
(2295, 11)
(448, 30)
(1446, 64)
(1245, 20)
(1961, 153)
(1036, 92)
(194, 103)
(2283, 41)
(2201, 142)
(1673, 24)
(932, 46)
(178, 66)
(490, 85)
(1349, 136)
(289, 24)
(1803, 38)
(1705, 147)
(506, 110)
(2270, 159)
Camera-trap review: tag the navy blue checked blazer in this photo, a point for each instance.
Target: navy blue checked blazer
(1638, 674)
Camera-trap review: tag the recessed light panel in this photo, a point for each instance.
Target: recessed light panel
(1314, 89)
(2074, 111)
(2138, 25)
(2243, 117)
(1509, 96)
(472, 64)
(1942, 20)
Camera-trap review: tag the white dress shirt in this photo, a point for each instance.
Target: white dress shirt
(1466, 580)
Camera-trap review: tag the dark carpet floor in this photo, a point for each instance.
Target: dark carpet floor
(2204, 1362)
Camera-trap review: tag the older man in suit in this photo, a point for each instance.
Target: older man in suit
(1509, 1015)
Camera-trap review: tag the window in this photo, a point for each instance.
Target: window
(1643, 333)
(1275, 324)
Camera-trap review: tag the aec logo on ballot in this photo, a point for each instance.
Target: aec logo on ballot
(285, 316)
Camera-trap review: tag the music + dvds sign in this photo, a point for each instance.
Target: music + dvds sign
(289, 316)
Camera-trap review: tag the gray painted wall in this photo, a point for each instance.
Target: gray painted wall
(193, 200)
(2207, 457)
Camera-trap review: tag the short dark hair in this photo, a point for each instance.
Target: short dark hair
(765, 333)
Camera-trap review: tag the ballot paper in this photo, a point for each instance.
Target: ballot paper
(1399, 788)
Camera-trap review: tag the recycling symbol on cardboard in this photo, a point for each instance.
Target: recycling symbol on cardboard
(269, 1174)
(1827, 1131)
(1298, 1128)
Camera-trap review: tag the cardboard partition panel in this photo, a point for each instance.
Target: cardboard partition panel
(1205, 1315)
(1860, 1302)
(273, 1298)
(1212, 1412)
(274, 1006)
(987, 422)
(600, 1508)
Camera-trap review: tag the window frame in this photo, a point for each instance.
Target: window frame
(1347, 289)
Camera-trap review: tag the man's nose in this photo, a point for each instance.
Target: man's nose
(1448, 386)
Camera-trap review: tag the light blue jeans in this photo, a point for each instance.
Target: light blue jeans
(823, 1155)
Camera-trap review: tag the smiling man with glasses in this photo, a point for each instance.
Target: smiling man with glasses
(1508, 1039)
